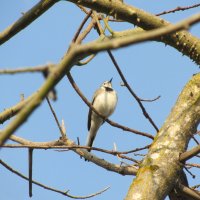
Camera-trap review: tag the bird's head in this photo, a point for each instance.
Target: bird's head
(107, 85)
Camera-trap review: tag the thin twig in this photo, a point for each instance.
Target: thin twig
(196, 141)
(26, 69)
(139, 154)
(178, 9)
(193, 165)
(195, 186)
(62, 145)
(81, 26)
(150, 100)
(128, 158)
(30, 171)
(135, 150)
(131, 91)
(56, 119)
(189, 172)
(85, 32)
(65, 193)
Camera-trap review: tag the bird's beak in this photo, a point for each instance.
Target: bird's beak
(110, 81)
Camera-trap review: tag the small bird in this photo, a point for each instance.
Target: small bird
(104, 101)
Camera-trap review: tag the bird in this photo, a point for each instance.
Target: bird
(104, 101)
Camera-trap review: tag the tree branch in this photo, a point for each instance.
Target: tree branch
(80, 150)
(182, 41)
(145, 113)
(12, 111)
(41, 68)
(189, 192)
(65, 193)
(189, 154)
(26, 19)
(178, 9)
(81, 26)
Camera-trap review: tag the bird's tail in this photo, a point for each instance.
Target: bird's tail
(93, 132)
(89, 141)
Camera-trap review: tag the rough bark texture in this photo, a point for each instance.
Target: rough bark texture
(161, 168)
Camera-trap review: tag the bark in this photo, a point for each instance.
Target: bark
(161, 169)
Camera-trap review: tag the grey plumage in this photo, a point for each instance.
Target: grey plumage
(104, 101)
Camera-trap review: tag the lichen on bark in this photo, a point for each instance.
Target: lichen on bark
(161, 168)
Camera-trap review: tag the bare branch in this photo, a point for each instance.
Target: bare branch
(56, 119)
(30, 171)
(178, 9)
(81, 63)
(189, 154)
(81, 26)
(26, 19)
(12, 111)
(87, 30)
(26, 69)
(59, 145)
(189, 192)
(31, 144)
(150, 100)
(193, 165)
(145, 113)
(80, 150)
(135, 150)
(196, 186)
(65, 193)
(182, 41)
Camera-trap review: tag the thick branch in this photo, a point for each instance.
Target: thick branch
(190, 193)
(124, 170)
(26, 19)
(189, 154)
(162, 159)
(182, 41)
(10, 112)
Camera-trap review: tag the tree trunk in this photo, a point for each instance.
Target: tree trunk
(161, 168)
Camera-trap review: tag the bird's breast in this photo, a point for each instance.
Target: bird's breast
(105, 103)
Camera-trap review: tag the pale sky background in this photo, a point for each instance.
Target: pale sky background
(151, 68)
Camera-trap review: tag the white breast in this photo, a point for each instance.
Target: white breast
(105, 102)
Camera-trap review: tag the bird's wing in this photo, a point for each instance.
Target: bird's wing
(89, 118)
(90, 110)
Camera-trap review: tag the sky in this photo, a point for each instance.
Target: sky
(151, 69)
